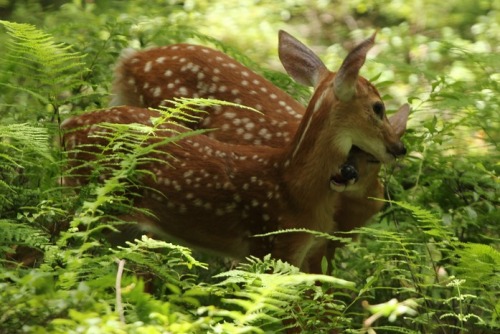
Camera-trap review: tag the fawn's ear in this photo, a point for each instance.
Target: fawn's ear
(399, 119)
(299, 61)
(346, 77)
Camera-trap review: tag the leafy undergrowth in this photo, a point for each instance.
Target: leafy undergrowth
(428, 263)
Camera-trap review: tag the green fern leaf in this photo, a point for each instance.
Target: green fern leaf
(22, 149)
(479, 264)
(48, 69)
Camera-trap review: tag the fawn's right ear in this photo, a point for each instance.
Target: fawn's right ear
(399, 119)
(346, 77)
(299, 61)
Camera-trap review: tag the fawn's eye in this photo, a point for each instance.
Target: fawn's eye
(379, 109)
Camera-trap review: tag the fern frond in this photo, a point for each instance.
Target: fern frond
(123, 158)
(25, 137)
(268, 288)
(22, 149)
(181, 252)
(317, 234)
(49, 68)
(479, 264)
(16, 233)
(430, 223)
(185, 109)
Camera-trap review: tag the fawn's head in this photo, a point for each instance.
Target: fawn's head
(356, 112)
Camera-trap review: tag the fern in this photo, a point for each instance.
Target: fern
(24, 150)
(128, 148)
(267, 291)
(18, 234)
(479, 264)
(51, 71)
(416, 259)
(145, 252)
(429, 223)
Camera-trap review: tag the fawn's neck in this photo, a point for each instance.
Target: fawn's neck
(317, 151)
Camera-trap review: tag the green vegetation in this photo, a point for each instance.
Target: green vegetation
(428, 263)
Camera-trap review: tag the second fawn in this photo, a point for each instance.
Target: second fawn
(217, 195)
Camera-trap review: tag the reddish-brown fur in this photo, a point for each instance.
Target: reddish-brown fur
(184, 70)
(272, 188)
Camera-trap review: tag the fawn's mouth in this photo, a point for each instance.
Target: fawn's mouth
(348, 173)
(346, 176)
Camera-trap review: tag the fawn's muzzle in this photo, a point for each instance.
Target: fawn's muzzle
(397, 150)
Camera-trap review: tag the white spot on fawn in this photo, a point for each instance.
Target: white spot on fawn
(230, 115)
(157, 92)
(160, 60)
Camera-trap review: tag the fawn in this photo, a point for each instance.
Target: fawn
(149, 78)
(219, 199)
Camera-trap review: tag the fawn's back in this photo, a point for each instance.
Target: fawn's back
(151, 77)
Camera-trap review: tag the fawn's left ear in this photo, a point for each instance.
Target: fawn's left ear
(346, 77)
(300, 62)
(399, 119)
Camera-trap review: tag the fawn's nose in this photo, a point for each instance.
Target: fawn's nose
(401, 150)
(397, 150)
